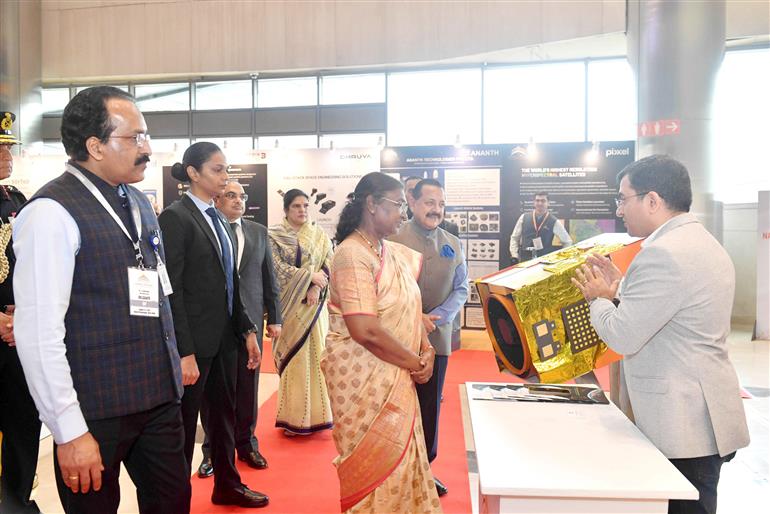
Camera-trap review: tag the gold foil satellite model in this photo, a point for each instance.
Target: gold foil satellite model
(537, 319)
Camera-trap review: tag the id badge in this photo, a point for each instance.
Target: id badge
(537, 243)
(165, 282)
(143, 292)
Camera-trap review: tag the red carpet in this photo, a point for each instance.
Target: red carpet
(301, 477)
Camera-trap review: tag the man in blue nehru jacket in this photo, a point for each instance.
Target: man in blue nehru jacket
(93, 324)
(443, 285)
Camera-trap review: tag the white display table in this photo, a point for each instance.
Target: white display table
(560, 457)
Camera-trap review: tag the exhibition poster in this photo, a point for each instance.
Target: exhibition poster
(326, 176)
(253, 178)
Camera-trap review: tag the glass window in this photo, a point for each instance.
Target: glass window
(231, 146)
(163, 97)
(353, 89)
(81, 88)
(287, 92)
(545, 102)
(169, 145)
(232, 94)
(352, 140)
(434, 107)
(55, 99)
(300, 141)
(741, 129)
(611, 101)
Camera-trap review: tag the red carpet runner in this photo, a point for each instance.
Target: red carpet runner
(302, 479)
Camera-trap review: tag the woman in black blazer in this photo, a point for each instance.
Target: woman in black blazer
(209, 319)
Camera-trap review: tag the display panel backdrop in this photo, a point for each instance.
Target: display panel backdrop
(489, 186)
(253, 178)
(326, 176)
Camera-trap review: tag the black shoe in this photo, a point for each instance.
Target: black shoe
(440, 488)
(206, 469)
(241, 496)
(254, 459)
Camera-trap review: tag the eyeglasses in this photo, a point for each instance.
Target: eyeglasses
(140, 139)
(402, 205)
(232, 196)
(621, 200)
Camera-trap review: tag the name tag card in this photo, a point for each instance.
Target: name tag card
(537, 243)
(143, 292)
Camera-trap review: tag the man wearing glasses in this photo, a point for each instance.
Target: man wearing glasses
(671, 325)
(260, 295)
(93, 324)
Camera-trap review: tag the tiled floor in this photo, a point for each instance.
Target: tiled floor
(744, 487)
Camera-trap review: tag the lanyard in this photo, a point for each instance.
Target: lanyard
(538, 227)
(137, 216)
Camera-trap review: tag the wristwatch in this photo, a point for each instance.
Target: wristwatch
(252, 330)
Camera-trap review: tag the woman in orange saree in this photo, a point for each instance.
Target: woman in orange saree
(376, 350)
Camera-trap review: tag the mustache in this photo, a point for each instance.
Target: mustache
(434, 215)
(142, 159)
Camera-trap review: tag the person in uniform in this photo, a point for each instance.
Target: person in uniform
(19, 420)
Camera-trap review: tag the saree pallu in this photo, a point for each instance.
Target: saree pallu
(382, 463)
(303, 402)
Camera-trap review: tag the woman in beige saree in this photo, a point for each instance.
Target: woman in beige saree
(302, 252)
(375, 351)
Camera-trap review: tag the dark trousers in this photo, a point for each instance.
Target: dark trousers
(246, 408)
(216, 386)
(429, 395)
(150, 445)
(703, 473)
(20, 425)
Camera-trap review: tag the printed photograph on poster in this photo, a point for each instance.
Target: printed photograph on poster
(326, 176)
(474, 317)
(580, 230)
(471, 187)
(478, 269)
(152, 196)
(473, 294)
(483, 222)
(459, 218)
(483, 249)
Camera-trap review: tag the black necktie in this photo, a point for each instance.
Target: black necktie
(227, 256)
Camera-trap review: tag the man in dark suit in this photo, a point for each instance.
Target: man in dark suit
(209, 316)
(92, 323)
(19, 420)
(260, 293)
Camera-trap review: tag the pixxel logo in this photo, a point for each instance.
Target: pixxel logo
(612, 152)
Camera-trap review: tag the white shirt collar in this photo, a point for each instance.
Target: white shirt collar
(200, 204)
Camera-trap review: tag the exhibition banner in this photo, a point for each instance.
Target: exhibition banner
(253, 178)
(326, 176)
(580, 179)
